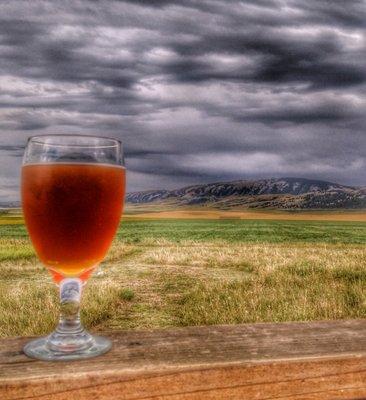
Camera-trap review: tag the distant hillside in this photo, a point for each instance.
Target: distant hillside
(9, 204)
(283, 193)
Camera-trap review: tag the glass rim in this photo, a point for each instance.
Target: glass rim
(37, 139)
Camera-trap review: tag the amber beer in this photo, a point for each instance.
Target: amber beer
(72, 212)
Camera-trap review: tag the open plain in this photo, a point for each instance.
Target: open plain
(167, 270)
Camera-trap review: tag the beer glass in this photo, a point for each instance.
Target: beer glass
(72, 190)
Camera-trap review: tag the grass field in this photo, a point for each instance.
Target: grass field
(176, 271)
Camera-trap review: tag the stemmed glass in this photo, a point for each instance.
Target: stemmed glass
(72, 191)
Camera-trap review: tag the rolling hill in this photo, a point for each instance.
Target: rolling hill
(282, 193)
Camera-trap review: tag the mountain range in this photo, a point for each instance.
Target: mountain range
(282, 193)
(9, 204)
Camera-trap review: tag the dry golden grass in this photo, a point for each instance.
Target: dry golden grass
(211, 214)
(253, 257)
(144, 212)
(159, 283)
(15, 249)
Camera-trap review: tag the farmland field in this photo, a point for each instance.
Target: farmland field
(211, 269)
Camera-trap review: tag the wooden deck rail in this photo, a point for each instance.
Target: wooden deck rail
(318, 360)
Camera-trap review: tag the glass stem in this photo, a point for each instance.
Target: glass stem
(70, 335)
(70, 296)
(70, 341)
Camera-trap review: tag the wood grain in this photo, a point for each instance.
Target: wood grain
(317, 360)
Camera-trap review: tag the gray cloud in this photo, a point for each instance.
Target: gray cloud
(198, 91)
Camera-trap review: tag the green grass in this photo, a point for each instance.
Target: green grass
(165, 273)
(247, 231)
(13, 231)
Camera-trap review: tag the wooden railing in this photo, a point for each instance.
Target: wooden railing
(318, 360)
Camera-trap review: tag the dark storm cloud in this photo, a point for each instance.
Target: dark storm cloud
(319, 62)
(207, 89)
(338, 12)
(330, 111)
(10, 148)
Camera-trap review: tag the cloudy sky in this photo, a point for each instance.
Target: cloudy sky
(198, 90)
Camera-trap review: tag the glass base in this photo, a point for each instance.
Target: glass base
(50, 348)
